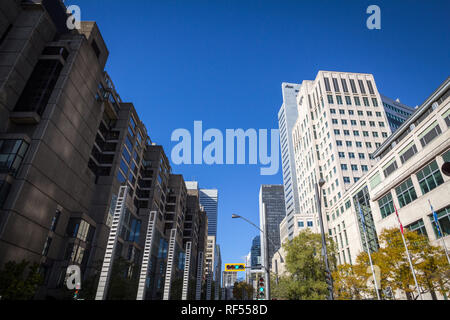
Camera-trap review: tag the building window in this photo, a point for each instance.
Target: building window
(361, 86)
(348, 143)
(344, 121)
(344, 167)
(429, 177)
(337, 132)
(4, 190)
(444, 222)
(341, 155)
(361, 155)
(366, 102)
(419, 227)
(330, 99)
(369, 85)
(335, 85)
(351, 155)
(365, 133)
(405, 193)
(428, 135)
(375, 134)
(334, 121)
(358, 143)
(341, 111)
(354, 167)
(348, 100)
(346, 132)
(327, 84)
(12, 153)
(386, 205)
(346, 180)
(39, 87)
(55, 220)
(364, 168)
(47, 244)
(332, 111)
(120, 177)
(357, 101)
(344, 85)
(353, 86)
(374, 102)
(301, 224)
(410, 151)
(390, 168)
(309, 224)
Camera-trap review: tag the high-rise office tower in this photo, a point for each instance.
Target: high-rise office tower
(396, 112)
(287, 116)
(341, 121)
(209, 201)
(271, 213)
(255, 253)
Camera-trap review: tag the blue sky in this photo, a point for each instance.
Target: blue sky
(223, 62)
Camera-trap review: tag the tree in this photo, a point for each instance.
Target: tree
(243, 290)
(306, 268)
(349, 282)
(430, 264)
(18, 281)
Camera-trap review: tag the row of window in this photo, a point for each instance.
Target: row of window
(352, 85)
(348, 101)
(358, 144)
(364, 133)
(429, 177)
(362, 123)
(359, 112)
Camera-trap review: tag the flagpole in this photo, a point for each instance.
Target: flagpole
(368, 252)
(438, 224)
(407, 254)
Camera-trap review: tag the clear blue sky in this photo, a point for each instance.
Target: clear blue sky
(223, 62)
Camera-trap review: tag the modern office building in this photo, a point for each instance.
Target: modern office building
(408, 175)
(396, 112)
(255, 253)
(229, 278)
(67, 144)
(341, 122)
(217, 273)
(287, 116)
(210, 263)
(209, 200)
(271, 212)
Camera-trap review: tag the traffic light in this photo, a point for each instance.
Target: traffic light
(235, 267)
(261, 288)
(75, 295)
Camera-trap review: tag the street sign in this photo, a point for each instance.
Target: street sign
(234, 267)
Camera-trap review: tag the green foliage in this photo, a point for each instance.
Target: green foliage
(306, 269)
(243, 290)
(18, 281)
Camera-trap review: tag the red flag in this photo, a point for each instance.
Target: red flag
(401, 226)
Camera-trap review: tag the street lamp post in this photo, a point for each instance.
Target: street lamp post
(322, 231)
(266, 236)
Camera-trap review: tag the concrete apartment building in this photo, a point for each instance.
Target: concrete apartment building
(67, 144)
(407, 174)
(287, 117)
(271, 212)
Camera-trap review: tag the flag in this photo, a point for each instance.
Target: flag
(436, 221)
(401, 226)
(363, 222)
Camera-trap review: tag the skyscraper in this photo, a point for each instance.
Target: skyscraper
(255, 253)
(287, 116)
(209, 201)
(341, 121)
(271, 213)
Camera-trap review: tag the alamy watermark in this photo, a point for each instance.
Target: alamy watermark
(250, 141)
(374, 20)
(73, 277)
(74, 19)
